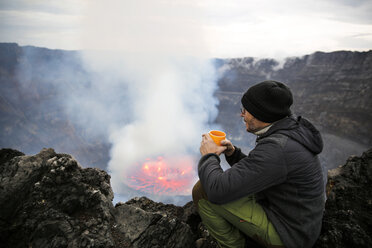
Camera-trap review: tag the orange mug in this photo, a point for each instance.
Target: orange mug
(217, 136)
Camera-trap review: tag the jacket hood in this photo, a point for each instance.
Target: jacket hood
(300, 130)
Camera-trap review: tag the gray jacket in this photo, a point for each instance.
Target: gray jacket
(284, 172)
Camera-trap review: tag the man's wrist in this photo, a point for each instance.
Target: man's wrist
(230, 152)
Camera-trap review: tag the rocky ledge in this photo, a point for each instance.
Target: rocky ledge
(49, 200)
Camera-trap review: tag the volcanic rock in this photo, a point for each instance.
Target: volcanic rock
(347, 218)
(49, 200)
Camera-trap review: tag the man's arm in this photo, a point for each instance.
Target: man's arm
(262, 168)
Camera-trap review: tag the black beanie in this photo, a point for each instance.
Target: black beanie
(268, 101)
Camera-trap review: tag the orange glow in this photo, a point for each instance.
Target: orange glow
(163, 176)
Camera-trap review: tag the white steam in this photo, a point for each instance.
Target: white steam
(155, 58)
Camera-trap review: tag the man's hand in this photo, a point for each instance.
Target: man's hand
(230, 149)
(208, 146)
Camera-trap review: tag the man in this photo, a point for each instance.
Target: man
(275, 194)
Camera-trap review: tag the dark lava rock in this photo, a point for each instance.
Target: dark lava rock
(152, 229)
(347, 219)
(49, 200)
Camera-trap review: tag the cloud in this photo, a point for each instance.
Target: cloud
(40, 29)
(285, 28)
(225, 12)
(361, 40)
(161, 26)
(350, 11)
(228, 28)
(66, 7)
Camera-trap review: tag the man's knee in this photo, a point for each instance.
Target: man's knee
(198, 193)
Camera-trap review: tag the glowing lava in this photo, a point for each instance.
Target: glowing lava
(163, 176)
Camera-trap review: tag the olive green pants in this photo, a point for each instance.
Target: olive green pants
(229, 223)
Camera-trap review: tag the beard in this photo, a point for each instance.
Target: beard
(251, 126)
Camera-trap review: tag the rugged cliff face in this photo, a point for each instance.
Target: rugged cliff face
(331, 89)
(33, 108)
(334, 90)
(49, 200)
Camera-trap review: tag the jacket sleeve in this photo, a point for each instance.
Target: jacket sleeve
(235, 157)
(264, 167)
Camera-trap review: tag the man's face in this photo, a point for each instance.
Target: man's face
(251, 123)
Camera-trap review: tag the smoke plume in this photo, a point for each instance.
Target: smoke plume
(158, 81)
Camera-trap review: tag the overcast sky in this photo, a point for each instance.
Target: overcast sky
(216, 28)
